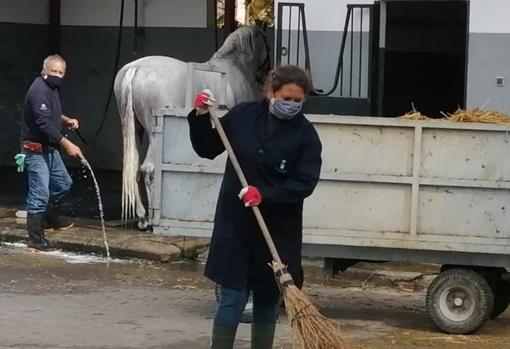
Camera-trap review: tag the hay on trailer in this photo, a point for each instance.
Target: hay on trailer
(414, 115)
(478, 115)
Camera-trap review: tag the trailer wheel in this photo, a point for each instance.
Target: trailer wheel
(501, 291)
(459, 301)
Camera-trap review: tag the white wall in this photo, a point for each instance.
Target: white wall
(489, 55)
(24, 11)
(151, 13)
(489, 16)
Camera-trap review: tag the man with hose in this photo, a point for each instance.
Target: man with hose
(48, 179)
(280, 154)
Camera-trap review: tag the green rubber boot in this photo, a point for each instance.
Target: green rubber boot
(223, 337)
(262, 336)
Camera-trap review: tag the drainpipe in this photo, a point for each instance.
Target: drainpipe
(54, 26)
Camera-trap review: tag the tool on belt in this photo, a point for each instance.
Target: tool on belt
(35, 147)
(32, 147)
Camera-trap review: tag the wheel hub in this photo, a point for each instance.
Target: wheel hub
(457, 303)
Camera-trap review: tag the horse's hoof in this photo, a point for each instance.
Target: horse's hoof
(144, 225)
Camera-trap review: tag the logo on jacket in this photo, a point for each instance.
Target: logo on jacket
(43, 107)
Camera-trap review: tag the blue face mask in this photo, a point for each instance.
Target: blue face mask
(284, 110)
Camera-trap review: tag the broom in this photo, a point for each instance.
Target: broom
(310, 329)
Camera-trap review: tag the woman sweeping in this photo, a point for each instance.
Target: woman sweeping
(280, 154)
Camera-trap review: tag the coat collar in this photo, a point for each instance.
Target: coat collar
(280, 127)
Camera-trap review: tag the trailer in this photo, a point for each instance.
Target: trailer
(390, 190)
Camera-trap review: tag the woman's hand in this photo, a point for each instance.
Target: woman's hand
(250, 196)
(204, 100)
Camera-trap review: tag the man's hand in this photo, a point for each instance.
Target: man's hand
(250, 196)
(203, 100)
(71, 123)
(71, 149)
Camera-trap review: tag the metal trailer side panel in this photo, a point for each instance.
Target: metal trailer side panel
(387, 184)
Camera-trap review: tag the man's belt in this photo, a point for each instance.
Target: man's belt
(40, 148)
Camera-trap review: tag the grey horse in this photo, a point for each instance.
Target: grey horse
(147, 84)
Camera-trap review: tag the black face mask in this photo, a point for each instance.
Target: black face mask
(53, 81)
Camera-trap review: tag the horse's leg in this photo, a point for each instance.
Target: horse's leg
(147, 169)
(140, 209)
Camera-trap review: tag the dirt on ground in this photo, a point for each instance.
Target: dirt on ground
(81, 302)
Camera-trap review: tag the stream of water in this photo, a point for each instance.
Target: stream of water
(100, 204)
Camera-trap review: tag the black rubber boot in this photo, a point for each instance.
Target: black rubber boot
(262, 336)
(54, 221)
(35, 223)
(223, 337)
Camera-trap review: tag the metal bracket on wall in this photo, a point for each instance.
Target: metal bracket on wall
(157, 124)
(353, 75)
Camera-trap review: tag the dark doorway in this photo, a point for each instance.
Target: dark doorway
(424, 58)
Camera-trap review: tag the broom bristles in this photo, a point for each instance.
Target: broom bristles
(310, 329)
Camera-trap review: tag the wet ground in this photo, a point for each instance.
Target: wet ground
(64, 301)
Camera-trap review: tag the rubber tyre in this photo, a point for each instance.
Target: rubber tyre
(459, 301)
(501, 290)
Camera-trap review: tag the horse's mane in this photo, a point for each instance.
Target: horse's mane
(239, 42)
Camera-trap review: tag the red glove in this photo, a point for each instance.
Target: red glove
(203, 100)
(250, 196)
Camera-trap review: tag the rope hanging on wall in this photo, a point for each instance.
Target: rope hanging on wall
(115, 69)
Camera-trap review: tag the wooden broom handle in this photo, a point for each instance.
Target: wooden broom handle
(244, 183)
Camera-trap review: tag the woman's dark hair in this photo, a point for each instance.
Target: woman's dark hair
(287, 74)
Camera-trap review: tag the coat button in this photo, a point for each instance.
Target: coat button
(261, 151)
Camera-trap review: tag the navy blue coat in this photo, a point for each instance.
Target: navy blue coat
(283, 160)
(42, 112)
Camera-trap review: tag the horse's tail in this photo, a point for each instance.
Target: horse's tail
(130, 191)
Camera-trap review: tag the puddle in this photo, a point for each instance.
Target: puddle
(69, 257)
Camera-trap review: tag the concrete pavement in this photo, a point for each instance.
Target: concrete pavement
(87, 236)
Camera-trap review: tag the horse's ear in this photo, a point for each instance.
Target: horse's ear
(251, 40)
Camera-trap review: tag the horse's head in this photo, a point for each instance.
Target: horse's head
(249, 47)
